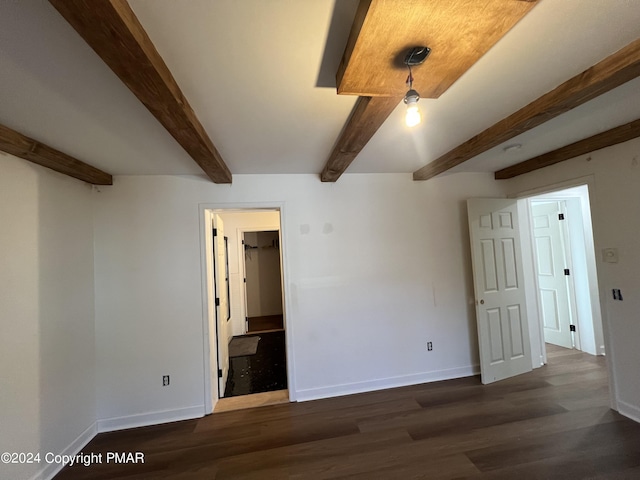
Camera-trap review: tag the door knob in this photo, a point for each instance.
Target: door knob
(481, 302)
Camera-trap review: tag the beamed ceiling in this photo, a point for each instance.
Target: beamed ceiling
(95, 88)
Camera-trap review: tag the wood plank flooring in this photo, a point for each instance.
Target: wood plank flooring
(552, 423)
(251, 401)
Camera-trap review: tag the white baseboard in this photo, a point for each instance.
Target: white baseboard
(151, 418)
(384, 383)
(52, 469)
(166, 416)
(629, 411)
(118, 423)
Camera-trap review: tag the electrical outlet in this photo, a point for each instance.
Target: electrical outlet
(429, 346)
(165, 380)
(610, 255)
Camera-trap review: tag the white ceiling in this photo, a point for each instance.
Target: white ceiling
(259, 75)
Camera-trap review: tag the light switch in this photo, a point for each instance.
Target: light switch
(610, 255)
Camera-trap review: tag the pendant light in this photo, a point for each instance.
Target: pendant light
(414, 57)
(413, 116)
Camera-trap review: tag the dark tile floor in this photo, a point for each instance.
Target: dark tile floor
(266, 371)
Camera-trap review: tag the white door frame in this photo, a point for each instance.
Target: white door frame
(589, 181)
(205, 212)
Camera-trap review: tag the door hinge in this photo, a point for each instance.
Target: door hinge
(572, 328)
(219, 373)
(217, 302)
(567, 272)
(215, 232)
(561, 216)
(245, 280)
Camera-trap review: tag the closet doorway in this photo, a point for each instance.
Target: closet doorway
(263, 285)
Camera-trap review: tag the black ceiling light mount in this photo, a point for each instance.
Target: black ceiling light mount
(415, 56)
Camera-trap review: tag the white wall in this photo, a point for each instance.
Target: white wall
(359, 312)
(614, 190)
(47, 344)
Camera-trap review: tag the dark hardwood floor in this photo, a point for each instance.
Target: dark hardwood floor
(552, 423)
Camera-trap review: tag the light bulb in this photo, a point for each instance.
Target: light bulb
(413, 113)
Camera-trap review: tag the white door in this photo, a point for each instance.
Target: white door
(551, 262)
(222, 300)
(244, 280)
(503, 332)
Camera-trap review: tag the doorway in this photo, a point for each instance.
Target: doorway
(565, 271)
(265, 368)
(509, 294)
(262, 281)
(236, 359)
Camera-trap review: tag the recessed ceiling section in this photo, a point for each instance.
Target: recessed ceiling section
(458, 32)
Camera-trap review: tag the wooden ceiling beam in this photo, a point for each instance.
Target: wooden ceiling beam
(113, 31)
(368, 114)
(29, 149)
(613, 71)
(620, 134)
(458, 32)
(383, 32)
